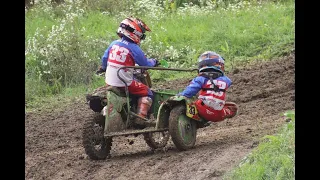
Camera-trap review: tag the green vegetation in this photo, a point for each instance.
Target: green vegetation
(274, 158)
(64, 43)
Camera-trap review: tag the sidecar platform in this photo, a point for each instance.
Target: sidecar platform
(135, 132)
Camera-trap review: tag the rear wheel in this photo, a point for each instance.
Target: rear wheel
(183, 130)
(96, 146)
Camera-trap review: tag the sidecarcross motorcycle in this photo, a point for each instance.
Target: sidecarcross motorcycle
(175, 116)
(115, 113)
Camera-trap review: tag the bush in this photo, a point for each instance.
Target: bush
(64, 44)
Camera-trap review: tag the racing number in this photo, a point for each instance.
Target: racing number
(192, 110)
(220, 84)
(114, 53)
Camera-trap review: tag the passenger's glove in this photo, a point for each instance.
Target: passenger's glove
(100, 70)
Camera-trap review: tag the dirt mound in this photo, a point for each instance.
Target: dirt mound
(263, 90)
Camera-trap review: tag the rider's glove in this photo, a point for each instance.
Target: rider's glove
(154, 62)
(157, 63)
(100, 70)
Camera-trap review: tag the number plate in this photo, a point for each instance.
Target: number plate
(191, 110)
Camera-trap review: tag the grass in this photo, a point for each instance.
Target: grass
(274, 158)
(67, 55)
(67, 97)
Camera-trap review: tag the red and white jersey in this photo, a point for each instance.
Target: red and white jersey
(122, 53)
(119, 56)
(214, 99)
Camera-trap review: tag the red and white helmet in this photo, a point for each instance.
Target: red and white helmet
(133, 28)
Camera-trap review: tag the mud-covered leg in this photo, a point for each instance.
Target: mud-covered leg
(144, 104)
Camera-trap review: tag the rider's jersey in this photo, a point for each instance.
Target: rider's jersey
(123, 52)
(212, 99)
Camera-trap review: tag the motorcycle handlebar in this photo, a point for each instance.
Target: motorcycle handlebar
(154, 68)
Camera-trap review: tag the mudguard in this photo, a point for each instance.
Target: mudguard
(178, 98)
(97, 99)
(113, 119)
(166, 106)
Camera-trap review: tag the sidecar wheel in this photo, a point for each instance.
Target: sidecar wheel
(96, 146)
(183, 130)
(157, 139)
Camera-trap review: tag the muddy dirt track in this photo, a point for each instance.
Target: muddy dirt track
(53, 145)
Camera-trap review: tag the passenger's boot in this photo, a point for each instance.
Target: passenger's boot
(144, 104)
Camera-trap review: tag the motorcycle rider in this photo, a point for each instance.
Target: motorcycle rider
(126, 51)
(211, 83)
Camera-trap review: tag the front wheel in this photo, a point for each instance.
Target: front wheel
(183, 130)
(96, 146)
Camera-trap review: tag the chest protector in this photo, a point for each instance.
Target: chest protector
(211, 76)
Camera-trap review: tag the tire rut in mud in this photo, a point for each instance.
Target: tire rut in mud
(53, 143)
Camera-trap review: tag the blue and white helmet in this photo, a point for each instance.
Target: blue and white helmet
(211, 60)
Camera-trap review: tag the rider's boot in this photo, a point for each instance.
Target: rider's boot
(144, 104)
(231, 109)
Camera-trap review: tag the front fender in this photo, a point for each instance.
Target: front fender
(165, 108)
(179, 99)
